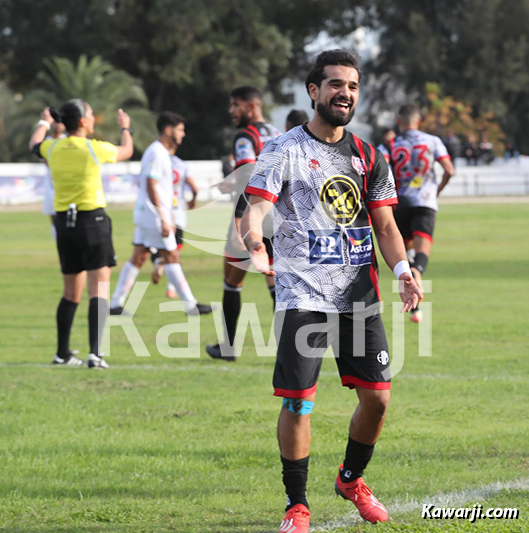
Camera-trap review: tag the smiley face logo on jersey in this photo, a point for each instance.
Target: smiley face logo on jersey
(340, 199)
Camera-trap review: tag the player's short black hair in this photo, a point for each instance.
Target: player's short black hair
(297, 117)
(247, 93)
(331, 57)
(70, 114)
(408, 112)
(168, 118)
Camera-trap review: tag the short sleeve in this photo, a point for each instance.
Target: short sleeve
(105, 152)
(440, 151)
(42, 148)
(267, 178)
(381, 185)
(243, 149)
(156, 166)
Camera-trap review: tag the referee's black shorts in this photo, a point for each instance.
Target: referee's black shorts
(358, 342)
(87, 246)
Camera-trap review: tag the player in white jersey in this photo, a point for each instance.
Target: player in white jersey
(56, 132)
(152, 217)
(181, 181)
(413, 155)
(327, 190)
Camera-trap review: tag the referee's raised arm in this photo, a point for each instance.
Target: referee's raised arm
(126, 148)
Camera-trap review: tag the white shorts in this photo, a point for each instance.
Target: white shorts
(152, 238)
(49, 196)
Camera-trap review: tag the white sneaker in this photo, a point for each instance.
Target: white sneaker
(96, 362)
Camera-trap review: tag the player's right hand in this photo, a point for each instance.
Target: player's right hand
(166, 229)
(260, 259)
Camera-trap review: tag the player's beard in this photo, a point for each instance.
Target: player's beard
(334, 119)
(243, 121)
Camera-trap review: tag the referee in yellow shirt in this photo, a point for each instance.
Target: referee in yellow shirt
(84, 230)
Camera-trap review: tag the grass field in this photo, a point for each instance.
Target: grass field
(188, 445)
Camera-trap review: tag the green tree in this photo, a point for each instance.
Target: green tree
(96, 81)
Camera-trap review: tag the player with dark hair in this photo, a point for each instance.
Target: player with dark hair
(153, 219)
(413, 154)
(84, 230)
(246, 110)
(328, 189)
(296, 117)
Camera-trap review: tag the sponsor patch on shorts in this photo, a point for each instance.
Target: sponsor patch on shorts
(325, 247)
(360, 246)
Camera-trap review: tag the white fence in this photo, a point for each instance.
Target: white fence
(23, 183)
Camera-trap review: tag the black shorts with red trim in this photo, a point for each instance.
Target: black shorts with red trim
(358, 341)
(415, 221)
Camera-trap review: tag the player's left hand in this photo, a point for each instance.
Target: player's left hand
(192, 203)
(410, 293)
(260, 259)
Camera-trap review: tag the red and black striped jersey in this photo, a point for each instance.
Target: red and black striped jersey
(249, 142)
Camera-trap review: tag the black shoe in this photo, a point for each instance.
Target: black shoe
(97, 362)
(201, 309)
(221, 351)
(119, 311)
(71, 360)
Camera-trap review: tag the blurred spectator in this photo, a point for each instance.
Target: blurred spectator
(471, 151)
(453, 145)
(486, 150)
(511, 152)
(295, 118)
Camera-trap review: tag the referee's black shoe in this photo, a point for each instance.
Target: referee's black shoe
(95, 361)
(71, 360)
(221, 351)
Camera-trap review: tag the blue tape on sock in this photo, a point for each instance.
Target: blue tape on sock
(298, 407)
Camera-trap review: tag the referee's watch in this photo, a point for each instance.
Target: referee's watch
(126, 129)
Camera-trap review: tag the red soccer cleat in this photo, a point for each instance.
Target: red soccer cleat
(296, 520)
(358, 492)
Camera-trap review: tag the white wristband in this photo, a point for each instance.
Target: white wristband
(43, 123)
(400, 268)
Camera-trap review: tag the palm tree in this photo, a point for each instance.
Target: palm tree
(96, 81)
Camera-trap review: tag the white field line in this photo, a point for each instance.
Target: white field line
(458, 498)
(233, 367)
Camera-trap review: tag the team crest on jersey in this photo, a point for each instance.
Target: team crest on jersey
(340, 199)
(358, 165)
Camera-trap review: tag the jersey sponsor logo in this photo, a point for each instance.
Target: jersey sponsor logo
(340, 199)
(358, 165)
(313, 164)
(383, 359)
(325, 247)
(360, 246)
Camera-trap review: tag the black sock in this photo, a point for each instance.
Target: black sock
(273, 295)
(357, 456)
(97, 315)
(65, 315)
(231, 306)
(295, 475)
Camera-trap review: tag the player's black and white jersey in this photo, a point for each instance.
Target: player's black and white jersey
(247, 146)
(323, 244)
(413, 156)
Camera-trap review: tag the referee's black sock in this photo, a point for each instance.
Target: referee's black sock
(295, 474)
(65, 316)
(97, 316)
(357, 456)
(231, 306)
